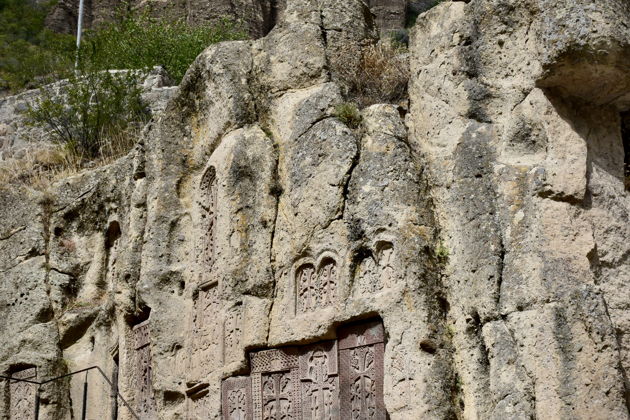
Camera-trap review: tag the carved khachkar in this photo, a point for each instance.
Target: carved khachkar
(232, 333)
(319, 382)
(22, 395)
(378, 273)
(206, 354)
(237, 398)
(275, 384)
(208, 222)
(330, 380)
(361, 349)
(145, 401)
(316, 289)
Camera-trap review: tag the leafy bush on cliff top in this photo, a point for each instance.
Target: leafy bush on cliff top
(142, 42)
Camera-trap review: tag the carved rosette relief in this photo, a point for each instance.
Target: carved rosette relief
(331, 380)
(232, 333)
(361, 350)
(237, 398)
(208, 220)
(206, 330)
(142, 381)
(316, 288)
(275, 385)
(22, 395)
(376, 271)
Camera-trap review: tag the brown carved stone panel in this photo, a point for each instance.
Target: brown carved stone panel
(319, 381)
(206, 353)
(361, 350)
(236, 394)
(22, 395)
(316, 289)
(275, 384)
(145, 401)
(331, 380)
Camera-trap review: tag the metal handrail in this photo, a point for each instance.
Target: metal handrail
(39, 385)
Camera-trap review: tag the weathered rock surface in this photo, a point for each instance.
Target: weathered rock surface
(254, 256)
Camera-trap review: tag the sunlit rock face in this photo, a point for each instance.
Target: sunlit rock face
(254, 257)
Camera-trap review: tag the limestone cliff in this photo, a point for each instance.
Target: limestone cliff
(255, 258)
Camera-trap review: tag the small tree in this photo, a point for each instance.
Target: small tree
(90, 108)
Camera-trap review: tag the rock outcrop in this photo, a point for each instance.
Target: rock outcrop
(255, 257)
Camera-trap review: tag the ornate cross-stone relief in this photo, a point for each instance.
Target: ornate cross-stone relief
(376, 271)
(361, 349)
(205, 352)
(232, 334)
(237, 398)
(275, 385)
(208, 222)
(319, 382)
(331, 380)
(316, 288)
(145, 401)
(22, 395)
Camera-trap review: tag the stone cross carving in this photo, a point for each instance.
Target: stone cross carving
(145, 401)
(320, 384)
(232, 333)
(275, 384)
(377, 273)
(316, 289)
(361, 352)
(307, 292)
(205, 354)
(22, 395)
(237, 398)
(208, 222)
(330, 380)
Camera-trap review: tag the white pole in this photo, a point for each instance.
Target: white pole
(79, 30)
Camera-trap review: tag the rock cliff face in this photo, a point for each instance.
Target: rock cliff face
(255, 258)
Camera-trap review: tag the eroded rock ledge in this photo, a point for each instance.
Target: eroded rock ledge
(479, 245)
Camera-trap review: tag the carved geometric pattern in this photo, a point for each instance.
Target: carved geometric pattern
(361, 351)
(275, 384)
(22, 395)
(145, 401)
(274, 360)
(237, 398)
(208, 222)
(316, 290)
(232, 333)
(319, 381)
(205, 353)
(330, 380)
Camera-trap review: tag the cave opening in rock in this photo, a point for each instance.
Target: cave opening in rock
(625, 137)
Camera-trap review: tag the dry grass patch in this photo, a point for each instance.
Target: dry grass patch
(40, 168)
(374, 73)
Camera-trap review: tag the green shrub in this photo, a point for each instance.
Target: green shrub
(142, 42)
(90, 109)
(349, 114)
